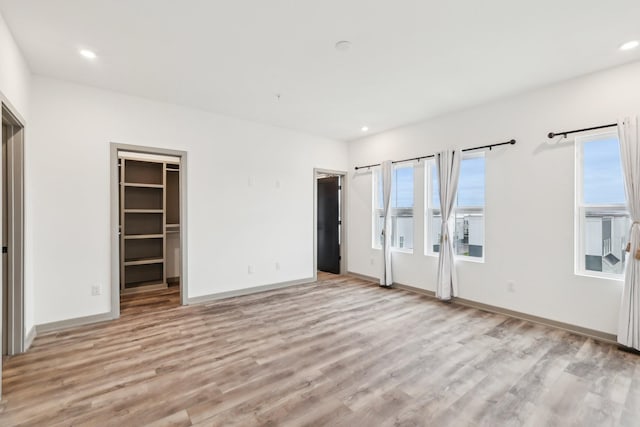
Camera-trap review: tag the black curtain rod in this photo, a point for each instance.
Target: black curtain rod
(568, 132)
(490, 146)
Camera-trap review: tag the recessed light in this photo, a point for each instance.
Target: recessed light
(89, 54)
(343, 45)
(364, 128)
(630, 45)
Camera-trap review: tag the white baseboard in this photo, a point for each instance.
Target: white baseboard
(97, 318)
(247, 291)
(72, 323)
(28, 340)
(364, 277)
(591, 333)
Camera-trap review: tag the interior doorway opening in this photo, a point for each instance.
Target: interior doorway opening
(12, 232)
(330, 222)
(149, 215)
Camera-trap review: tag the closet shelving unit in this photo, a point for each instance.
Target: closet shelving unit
(145, 221)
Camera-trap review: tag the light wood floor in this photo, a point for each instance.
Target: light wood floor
(341, 352)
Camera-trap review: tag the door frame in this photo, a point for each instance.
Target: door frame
(115, 219)
(317, 173)
(16, 341)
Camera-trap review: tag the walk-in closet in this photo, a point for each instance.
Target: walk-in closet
(149, 207)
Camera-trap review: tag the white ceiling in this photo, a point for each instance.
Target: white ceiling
(410, 59)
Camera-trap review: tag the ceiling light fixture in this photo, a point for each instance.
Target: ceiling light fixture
(343, 45)
(364, 128)
(89, 54)
(630, 45)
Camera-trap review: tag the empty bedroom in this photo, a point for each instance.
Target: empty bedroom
(320, 213)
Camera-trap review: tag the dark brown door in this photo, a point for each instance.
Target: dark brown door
(329, 224)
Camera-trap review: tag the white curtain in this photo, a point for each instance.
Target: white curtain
(629, 323)
(448, 173)
(387, 170)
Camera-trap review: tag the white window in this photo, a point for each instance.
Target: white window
(602, 219)
(401, 209)
(469, 209)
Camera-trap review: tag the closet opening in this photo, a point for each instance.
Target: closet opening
(329, 222)
(148, 212)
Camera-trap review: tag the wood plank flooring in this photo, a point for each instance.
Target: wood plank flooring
(339, 352)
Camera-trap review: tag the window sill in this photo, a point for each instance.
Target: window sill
(458, 257)
(403, 251)
(470, 259)
(605, 276)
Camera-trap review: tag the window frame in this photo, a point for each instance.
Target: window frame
(376, 238)
(394, 212)
(431, 211)
(581, 210)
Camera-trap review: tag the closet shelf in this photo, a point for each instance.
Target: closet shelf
(143, 211)
(150, 285)
(172, 225)
(144, 261)
(142, 185)
(144, 236)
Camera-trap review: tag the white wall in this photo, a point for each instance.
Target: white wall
(15, 82)
(529, 231)
(250, 194)
(15, 77)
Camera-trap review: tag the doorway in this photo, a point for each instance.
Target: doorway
(329, 224)
(12, 232)
(148, 206)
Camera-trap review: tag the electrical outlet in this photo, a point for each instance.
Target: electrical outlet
(511, 286)
(277, 266)
(373, 261)
(95, 290)
(250, 269)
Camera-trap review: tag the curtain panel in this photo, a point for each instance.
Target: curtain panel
(448, 163)
(629, 322)
(386, 278)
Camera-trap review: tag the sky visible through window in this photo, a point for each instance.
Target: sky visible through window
(470, 184)
(603, 182)
(402, 188)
